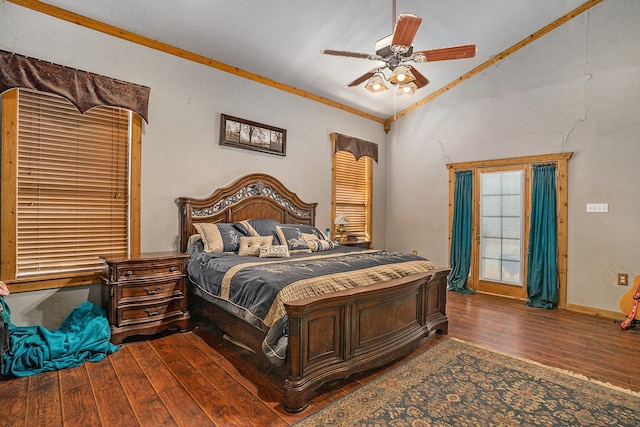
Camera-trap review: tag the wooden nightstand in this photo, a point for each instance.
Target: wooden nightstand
(365, 244)
(145, 293)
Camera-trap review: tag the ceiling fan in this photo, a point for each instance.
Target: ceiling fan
(395, 51)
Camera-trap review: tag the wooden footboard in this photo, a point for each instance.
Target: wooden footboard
(359, 329)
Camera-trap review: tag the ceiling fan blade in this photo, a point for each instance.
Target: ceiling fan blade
(405, 31)
(446, 53)
(362, 78)
(344, 53)
(420, 80)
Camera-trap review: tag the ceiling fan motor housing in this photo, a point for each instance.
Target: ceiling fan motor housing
(385, 51)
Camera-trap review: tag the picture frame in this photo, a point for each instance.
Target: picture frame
(250, 135)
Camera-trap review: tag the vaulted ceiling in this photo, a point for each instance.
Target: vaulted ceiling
(281, 40)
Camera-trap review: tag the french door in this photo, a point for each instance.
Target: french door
(500, 230)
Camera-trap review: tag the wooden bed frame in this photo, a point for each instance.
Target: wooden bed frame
(330, 336)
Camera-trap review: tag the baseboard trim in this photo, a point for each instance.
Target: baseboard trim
(607, 314)
(615, 315)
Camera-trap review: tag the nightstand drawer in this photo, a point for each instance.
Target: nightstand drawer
(136, 314)
(136, 271)
(166, 288)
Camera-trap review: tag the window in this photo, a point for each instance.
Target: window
(72, 185)
(352, 190)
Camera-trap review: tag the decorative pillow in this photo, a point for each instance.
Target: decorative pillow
(309, 229)
(260, 227)
(293, 238)
(195, 244)
(245, 228)
(250, 246)
(319, 245)
(309, 236)
(219, 237)
(193, 239)
(274, 251)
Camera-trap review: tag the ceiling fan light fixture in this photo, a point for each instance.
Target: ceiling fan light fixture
(376, 84)
(394, 50)
(401, 75)
(407, 88)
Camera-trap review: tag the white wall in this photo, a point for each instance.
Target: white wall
(576, 89)
(181, 155)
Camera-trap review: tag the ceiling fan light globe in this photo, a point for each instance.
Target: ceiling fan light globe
(376, 84)
(402, 74)
(407, 88)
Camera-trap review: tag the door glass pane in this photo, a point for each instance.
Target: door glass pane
(501, 226)
(511, 228)
(511, 272)
(492, 248)
(492, 227)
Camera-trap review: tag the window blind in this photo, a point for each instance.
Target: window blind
(353, 192)
(72, 185)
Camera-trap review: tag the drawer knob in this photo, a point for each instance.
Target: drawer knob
(152, 291)
(172, 269)
(151, 312)
(129, 273)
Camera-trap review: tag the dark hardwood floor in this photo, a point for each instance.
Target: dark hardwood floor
(199, 379)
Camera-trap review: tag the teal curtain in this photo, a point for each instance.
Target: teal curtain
(460, 255)
(542, 267)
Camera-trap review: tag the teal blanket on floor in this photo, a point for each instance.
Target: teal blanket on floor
(83, 336)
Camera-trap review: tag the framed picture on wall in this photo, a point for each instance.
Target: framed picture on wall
(241, 133)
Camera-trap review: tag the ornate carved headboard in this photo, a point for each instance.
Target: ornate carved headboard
(253, 196)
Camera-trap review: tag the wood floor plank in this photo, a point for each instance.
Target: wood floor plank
(44, 404)
(145, 401)
(78, 402)
(113, 405)
(243, 366)
(202, 389)
(180, 404)
(240, 397)
(13, 398)
(262, 380)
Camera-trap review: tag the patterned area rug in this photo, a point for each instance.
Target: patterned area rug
(459, 384)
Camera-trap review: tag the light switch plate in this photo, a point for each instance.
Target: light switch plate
(598, 207)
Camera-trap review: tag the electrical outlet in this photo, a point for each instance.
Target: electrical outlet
(623, 279)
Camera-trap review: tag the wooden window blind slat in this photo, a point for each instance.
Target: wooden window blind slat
(72, 185)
